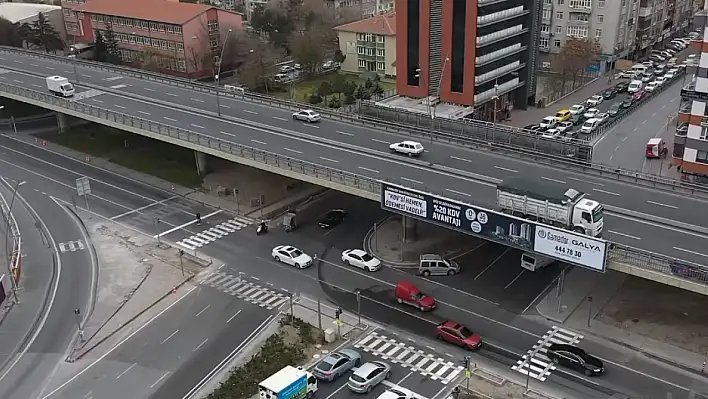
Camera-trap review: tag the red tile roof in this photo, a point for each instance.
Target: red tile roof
(168, 11)
(384, 24)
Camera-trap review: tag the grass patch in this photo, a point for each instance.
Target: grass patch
(18, 109)
(304, 89)
(166, 161)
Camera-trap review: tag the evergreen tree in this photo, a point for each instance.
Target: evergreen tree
(360, 92)
(44, 35)
(99, 49)
(112, 49)
(377, 90)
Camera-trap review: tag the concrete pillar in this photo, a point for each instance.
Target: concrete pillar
(410, 229)
(201, 160)
(62, 122)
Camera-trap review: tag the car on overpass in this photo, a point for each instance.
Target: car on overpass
(307, 115)
(410, 148)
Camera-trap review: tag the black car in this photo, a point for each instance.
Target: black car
(627, 103)
(573, 357)
(609, 93)
(621, 87)
(615, 109)
(569, 134)
(332, 218)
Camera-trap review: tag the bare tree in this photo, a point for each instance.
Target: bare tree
(200, 57)
(259, 66)
(574, 59)
(308, 50)
(10, 34)
(149, 60)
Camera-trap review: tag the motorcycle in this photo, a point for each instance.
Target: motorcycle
(262, 228)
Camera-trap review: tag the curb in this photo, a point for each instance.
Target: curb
(79, 356)
(368, 237)
(574, 91)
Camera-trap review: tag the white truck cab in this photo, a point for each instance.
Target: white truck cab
(60, 86)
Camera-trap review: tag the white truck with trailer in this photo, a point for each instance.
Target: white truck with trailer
(288, 383)
(552, 204)
(60, 86)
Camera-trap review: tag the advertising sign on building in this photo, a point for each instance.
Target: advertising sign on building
(495, 226)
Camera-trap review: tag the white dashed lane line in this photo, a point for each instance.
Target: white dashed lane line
(344, 133)
(605, 192)
(248, 111)
(148, 89)
(329, 160)
(197, 126)
(380, 141)
(259, 142)
(506, 169)
(119, 106)
(623, 235)
(170, 119)
(553, 180)
(197, 100)
(664, 205)
(144, 113)
(171, 94)
(279, 118)
(291, 150)
(368, 170)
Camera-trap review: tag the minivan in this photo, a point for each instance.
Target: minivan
(532, 261)
(436, 265)
(639, 68)
(635, 86)
(590, 125)
(409, 294)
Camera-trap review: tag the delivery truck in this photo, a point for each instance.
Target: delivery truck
(551, 203)
(60, 86)
(288, 383)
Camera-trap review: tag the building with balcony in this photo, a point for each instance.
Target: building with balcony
(184, 38)
(660, 20)
(481, 54)
(369, 45)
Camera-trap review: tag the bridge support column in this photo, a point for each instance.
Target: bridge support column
(62, 122)
(410, 229)
(201, 160)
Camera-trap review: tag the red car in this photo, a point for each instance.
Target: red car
(638, 95)
(458, 334)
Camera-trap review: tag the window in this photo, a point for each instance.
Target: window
(600, 18)
(577, 31)
(380, 39)
(600, 3)
(380, 52)
(457, 58)
(381, 66)
(560, 2)
(702, 157)
(557, 43)
(545, 29)
(547, 1)
(580, 3)
(583, 18)
(559, 29)
(360, 50)
(369, 37)
(559, 15)
(543, 42)
(598, 33)
(546, 14)
(360, 37)
(362, 63)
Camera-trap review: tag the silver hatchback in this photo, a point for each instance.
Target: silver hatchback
(368, 376)
(336, 364)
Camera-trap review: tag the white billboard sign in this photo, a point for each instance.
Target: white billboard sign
(575, 248)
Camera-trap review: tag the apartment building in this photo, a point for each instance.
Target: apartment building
(369, 45)
(185, 37)
(349, 10)
(478, 53)
(658, 21)
(690, 152)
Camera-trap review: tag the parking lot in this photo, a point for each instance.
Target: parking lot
(415, 368)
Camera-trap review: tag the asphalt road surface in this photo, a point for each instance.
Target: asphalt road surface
(364, 151)
(73, 288)
(170, 355)
(246, 253)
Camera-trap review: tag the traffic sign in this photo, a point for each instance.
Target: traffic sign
(83, 186)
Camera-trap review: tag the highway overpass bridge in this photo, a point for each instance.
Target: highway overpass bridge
(646, 216)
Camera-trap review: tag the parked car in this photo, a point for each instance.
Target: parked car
(548, 122)
(603, 117)
(628, 74)
(671, 74)
(627, 103)
(575, 358)
(590, 113)
(397, 393)
(563, 115)
(660, 80)
(594, 100)
(406, 292)
(577, 109)
(621, 87)
(651, 86)
(368, 375)
(332, 218)
(410, 148)
(361, 259)
(609, 94)
(570, 135)
(564, 126)
(458, 334)
(307, 115)
(551, 133)
(638, 95)
(615, 109)
(336, 364)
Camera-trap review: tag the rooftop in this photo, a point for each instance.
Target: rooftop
(168, 11)
(16, 12)
(384, 24)
(418, 106)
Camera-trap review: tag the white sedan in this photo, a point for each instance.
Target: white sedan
(577, 109)
(594, 101)
(360, 259)
(651, 87)
(591, 113)
(410, 148)
(564, 126)
(397, 393)
(307, 115)
(291, 256)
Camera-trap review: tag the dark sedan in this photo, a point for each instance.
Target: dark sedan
(609, 93)
(573, 357)
(621, 87)
(627, 103)
(615, 109)
(332, 218)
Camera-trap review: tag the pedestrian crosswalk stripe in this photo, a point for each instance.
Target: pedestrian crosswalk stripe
(245, 290)
(416, 360)
(214, 233)
(535, 363)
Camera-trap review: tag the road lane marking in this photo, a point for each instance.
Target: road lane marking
(506, 169)
(200, 345)
(492, 264)
(197, 126)
(691, 252)
(17, 61)
(159, 379)
(50, 68)
(328, 160)
(171, 94)
(232, 317)
(291, 150)
(368, 170)
(259, 142)
(623, 234)
(457, 192)
(279, 118)
(170, 119)
(148, 89)
(312, 126)
(380, 141)
(98, 101)
(460, 159)
(664, 205)
(17, 81)
(585, 181)
(144, 113)
(412, 181)
(248, 111)
(197, 100)
(169, 336)
(644, 121)
(203, 310)
(126, 370)
(172, 230)
(119, 106)
(514, 280)
(344, 385)
(228, 134)
(34, 65)
(553, 180)
(224, 106)
(142, 208)
(344, 133)
(605, 192)
(34, 85)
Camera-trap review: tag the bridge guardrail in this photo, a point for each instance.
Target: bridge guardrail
(617, 252)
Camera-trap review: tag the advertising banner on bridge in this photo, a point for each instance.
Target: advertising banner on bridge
(495, 226)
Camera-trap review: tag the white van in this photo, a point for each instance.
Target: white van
(635, 86)
(590, 125)
(639, 68)
(532, 261)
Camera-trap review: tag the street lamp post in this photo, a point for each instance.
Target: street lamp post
(7, 246)
(218, 71)
(495, 98)
(419, 75)
(432, 114)
(260, 64)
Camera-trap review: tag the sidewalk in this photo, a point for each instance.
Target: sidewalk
(533, 115)
(576, 311)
